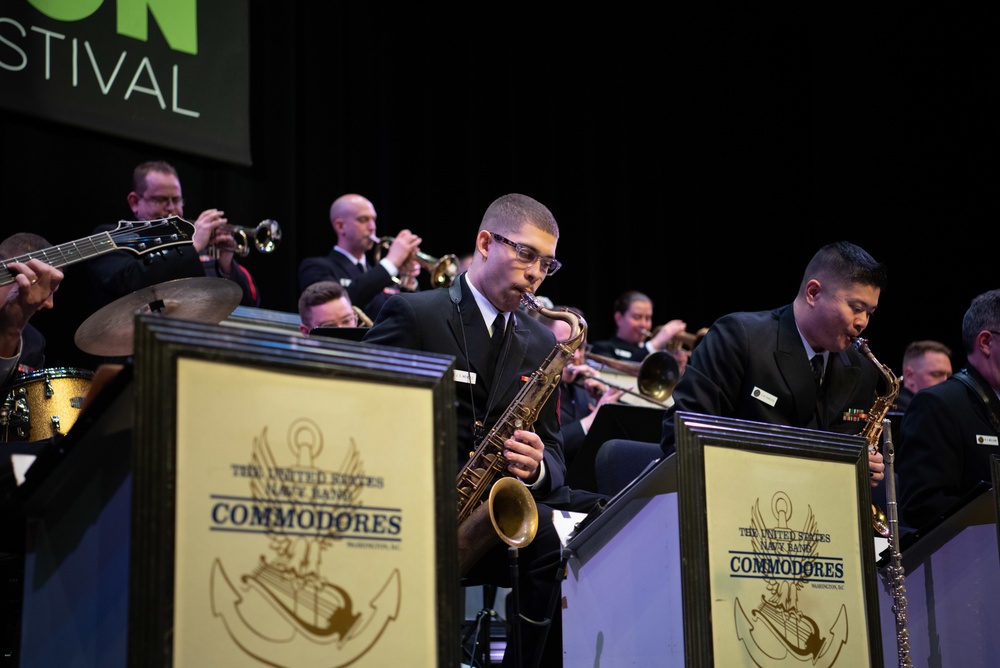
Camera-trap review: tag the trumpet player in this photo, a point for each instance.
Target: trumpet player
(369, 285)
(156, 193)
(633, 339)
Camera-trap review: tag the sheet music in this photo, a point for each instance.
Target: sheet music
(21, 463)
(565, 522)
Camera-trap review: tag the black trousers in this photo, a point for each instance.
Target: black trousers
(538, 590)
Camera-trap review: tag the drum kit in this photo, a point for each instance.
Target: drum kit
(45, 403)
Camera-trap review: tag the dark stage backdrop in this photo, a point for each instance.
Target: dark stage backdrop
(700, 156)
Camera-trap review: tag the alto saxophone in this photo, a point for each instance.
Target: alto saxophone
(509, 513)
(873, 423)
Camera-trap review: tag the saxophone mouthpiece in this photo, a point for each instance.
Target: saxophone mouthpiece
(529, 300)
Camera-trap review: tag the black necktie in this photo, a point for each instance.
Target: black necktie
(361, 267)
(497, 340)
(818, 365)
(498, 327)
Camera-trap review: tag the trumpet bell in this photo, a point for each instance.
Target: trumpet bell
(265, 237)
(442, 271)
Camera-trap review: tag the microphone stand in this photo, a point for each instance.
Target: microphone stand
(515, 623)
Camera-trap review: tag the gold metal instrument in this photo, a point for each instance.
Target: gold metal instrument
(656, 375)
(265, 238)
(872, 430)
(442, 270)
(491, 504)
(363, 320)
(683, 339)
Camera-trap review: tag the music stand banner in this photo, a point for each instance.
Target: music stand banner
(175, 74)
(777, 538)
(293, 503)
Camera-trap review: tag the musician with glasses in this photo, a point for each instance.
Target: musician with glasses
(369, 284)
(514, 251)
(156, 193)
(951, 430)
(325, 304)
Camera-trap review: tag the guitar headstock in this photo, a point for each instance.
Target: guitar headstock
(144, 236)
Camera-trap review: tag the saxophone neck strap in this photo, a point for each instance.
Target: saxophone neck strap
(977, 387)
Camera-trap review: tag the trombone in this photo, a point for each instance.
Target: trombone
(656, 376)
(265, 238)
(442, 270)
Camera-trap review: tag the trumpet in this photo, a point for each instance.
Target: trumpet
(683, 339)
(656, 376)
(265, 237)
(442, 270)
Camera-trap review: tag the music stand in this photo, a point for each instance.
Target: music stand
(637, 423)
(342, 333)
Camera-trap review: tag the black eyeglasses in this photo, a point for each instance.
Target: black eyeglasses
(162, 201)
(528, 256)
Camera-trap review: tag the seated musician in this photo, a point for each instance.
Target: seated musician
(326, 304)
(795, 365)
(633, 338)
(19, 340)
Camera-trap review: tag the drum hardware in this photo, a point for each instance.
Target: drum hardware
(43, 404)
(110, 331)
(442, 270)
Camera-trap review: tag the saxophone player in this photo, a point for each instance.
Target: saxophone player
(795, 365)
(497, 347)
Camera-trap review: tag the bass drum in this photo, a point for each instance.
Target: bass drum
(43, 403)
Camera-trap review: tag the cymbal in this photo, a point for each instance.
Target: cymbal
(110, 332)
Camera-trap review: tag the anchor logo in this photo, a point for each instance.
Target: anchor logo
(287, 612)
(776, 629)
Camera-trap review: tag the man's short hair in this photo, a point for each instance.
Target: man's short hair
(845, 262)
(22, 243)
(509, 213)
(917, 349)
(140, 172)
(321, 293)
(983, 313)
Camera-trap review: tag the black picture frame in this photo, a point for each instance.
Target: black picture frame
(749, 451)
(165, 349)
